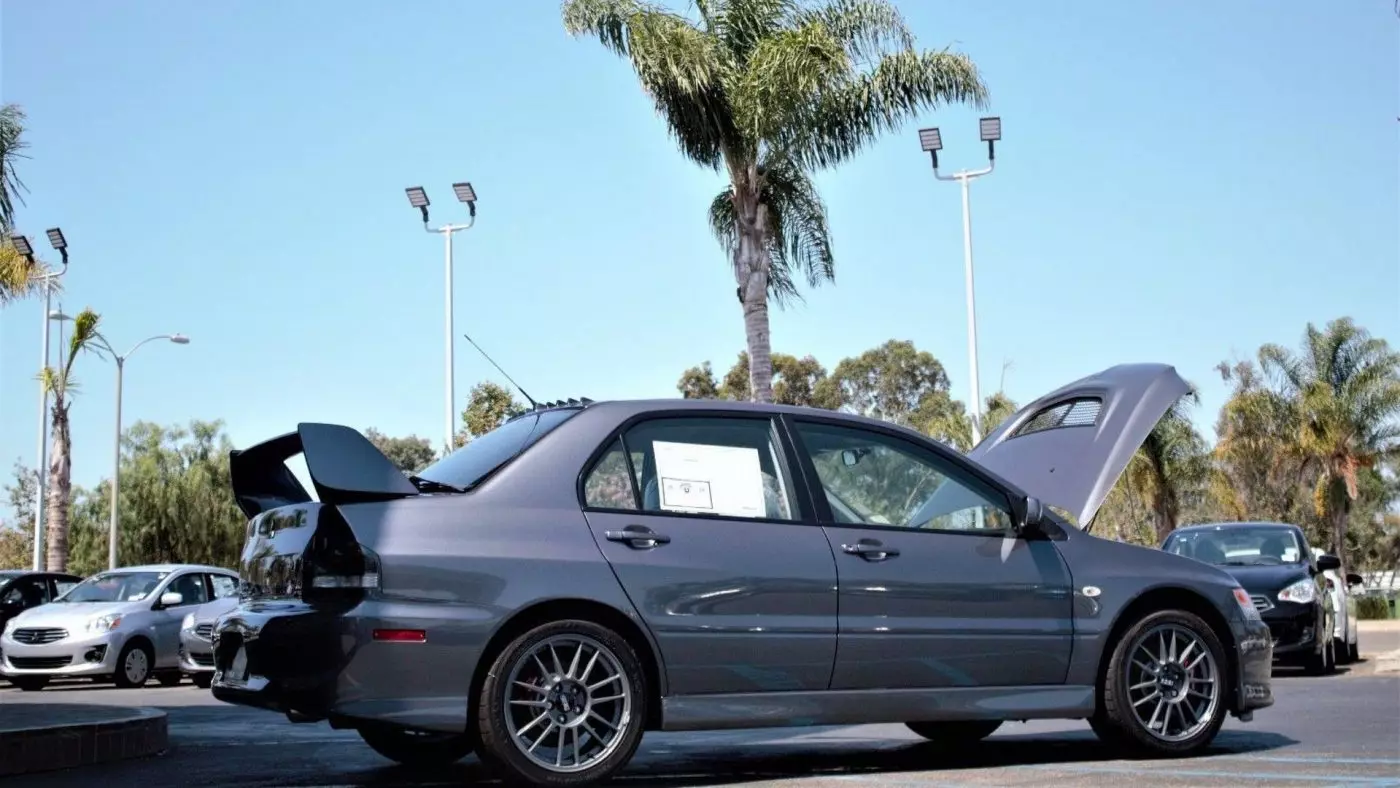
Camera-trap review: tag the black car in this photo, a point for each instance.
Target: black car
(21, 589)
(1282, 575)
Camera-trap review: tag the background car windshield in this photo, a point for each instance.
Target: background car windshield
(114, 587)
(1263, 546)
(473, 462)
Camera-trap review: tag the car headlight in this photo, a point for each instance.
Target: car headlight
(11, 625)
(1303, 592)
(1246, 604)
(105, 623)
(188, 623)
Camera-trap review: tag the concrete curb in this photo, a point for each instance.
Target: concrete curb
(101, 735)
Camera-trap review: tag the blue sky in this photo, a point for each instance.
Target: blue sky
(1176, 184)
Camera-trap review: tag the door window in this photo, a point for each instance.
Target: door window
(709, 465)
(191, 588)
(29, 592)
(61, 586)
(871, 478)
(224, 586)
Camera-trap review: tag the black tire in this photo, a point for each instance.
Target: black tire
(415, 748)
(1321, 664)
(170, 679)
(498, 747)
(202, 680)
(1117, 722)
(30, 683)
(955, 732)
(133, 679)
(1354, 652)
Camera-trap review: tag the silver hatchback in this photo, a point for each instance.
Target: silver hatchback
(122, 625)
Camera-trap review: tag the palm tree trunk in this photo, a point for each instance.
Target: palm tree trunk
(60, 489)
(1339, 512)
(751, 273)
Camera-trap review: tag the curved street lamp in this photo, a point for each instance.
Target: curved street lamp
(120, 359)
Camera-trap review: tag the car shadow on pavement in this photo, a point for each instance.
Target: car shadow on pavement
(672, 763)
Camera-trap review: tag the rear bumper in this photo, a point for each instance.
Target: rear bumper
(326, 665)
(1255, 656)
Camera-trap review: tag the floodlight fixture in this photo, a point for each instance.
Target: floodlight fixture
(466, 194)
(58, 242)
(932, 142)
(418, 199)
(179, 339)
(21, 245)
(991, 132)
(58, 315)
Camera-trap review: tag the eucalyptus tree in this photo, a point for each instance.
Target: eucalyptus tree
(768, 92)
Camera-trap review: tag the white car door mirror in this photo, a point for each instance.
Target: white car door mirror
(171, 599)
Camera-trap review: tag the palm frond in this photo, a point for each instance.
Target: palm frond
(12, 144)
(743, 24)
(783, 75)
(868, 29)
(801, 237)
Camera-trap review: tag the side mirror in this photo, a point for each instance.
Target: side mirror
(1353, 579)
(1027, 513)
(849, 458)
(171, 599)
(1327, 562)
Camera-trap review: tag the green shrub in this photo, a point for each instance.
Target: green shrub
(1372, 607)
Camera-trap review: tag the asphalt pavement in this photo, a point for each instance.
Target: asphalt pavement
(1332, 731)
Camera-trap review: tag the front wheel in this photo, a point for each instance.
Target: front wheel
(955, 732)
(1353, 652)
(563, 705)
(1321, 664)
(417, 748)
(202, 680)
(133, 665)
(1165, 688)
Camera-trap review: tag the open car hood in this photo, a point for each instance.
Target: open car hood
(1069, 447)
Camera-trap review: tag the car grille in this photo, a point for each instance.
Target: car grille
(1261, 603)
(38, 663)
(204, 631)
(203, 660)
(38, 636)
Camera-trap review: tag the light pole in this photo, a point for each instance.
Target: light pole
(932, 142)
(46, 281)
(418, 198)
(101, 341)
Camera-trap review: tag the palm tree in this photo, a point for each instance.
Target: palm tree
(1344, 389)
(768, 92)
(17, 275)
(1171, 465)
(60, 383)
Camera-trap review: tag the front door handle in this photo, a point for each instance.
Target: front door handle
(870, 550)
(638, 537)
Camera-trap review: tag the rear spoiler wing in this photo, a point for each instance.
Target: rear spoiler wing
(344, 468)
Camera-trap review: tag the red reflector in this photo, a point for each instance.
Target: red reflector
(401, 635)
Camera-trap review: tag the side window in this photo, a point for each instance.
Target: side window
(61, 586)
(224, 586)
(873, 479)
(191, 587)
(29, 592)
(609, 484)
(716, 465)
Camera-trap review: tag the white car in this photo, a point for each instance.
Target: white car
(1344, 634)
(122, 625)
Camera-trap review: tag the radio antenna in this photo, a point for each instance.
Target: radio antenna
(533, 404)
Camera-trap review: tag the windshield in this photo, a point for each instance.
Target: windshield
(114, 587)
(475, 461)
(1238, 545)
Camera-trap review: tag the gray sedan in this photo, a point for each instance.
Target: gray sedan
(593, 570)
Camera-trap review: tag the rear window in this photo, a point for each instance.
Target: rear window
(473, 462)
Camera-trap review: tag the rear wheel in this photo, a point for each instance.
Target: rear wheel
(30, 683)
(417, 748)
(1165, 688)
(955, 732)
(564, 704)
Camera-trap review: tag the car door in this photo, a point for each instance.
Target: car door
(1069, 447)
(935, 588)
(704, 526)
(192, 588)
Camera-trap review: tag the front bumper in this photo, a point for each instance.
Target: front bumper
(1255, 656)
(1294, 629)
(309, 663)
(76, 655)
(196, 653)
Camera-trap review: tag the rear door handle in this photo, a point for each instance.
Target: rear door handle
(638, 537)
(870, 550)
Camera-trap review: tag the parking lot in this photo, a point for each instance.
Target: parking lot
(1338, 730)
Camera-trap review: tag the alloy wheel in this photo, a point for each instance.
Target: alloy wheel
(1173, 682)
(568, 703)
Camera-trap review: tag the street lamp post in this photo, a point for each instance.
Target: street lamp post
(418, 198)
(120, 359)
(932, 142)
(46, 281)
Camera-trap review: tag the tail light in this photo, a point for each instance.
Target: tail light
(338, 569)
